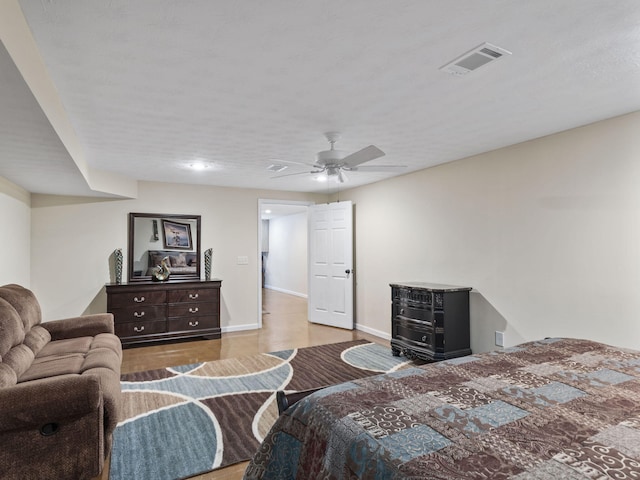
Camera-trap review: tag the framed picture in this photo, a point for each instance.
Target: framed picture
(176, 235)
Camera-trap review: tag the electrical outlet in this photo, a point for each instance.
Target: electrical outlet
(243, 260)
(499, 339)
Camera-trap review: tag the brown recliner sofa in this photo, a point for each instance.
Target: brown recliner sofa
(59, 390)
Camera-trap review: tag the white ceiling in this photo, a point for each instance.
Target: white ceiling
(151, 86)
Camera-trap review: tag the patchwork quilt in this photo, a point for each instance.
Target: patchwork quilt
(550, 409)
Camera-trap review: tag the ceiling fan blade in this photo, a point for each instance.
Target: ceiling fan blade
(299, 173)
(367, 153)
(289, 162)
(379, 168)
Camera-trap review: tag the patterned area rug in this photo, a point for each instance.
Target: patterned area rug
(182, 421)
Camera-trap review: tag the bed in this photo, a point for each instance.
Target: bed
(180, 263)
(549, 409)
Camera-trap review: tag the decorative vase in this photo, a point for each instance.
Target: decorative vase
(161, 272)
(207, 263)
(117, 262)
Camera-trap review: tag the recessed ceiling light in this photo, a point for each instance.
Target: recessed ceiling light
(198, 166)
(267, 211)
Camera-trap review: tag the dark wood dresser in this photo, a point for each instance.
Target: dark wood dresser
(430, 321)
(153, 311)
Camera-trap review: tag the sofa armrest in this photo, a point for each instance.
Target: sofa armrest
(83, 326)
(48, 400)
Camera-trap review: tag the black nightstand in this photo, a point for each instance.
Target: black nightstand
(430, 321)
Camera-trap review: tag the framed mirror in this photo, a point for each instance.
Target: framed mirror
(154, 236)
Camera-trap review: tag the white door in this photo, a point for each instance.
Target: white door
(330, 296)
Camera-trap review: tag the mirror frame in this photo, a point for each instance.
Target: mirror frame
(160, 216)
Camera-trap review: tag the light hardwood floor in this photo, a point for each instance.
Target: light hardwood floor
(284, 326)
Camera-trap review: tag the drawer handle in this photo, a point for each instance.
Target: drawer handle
(402, 311)
(193, 296)
(193, 324)
(424, 338)
(138, 315)
(138, 300)
(138, 329)
(193, 310)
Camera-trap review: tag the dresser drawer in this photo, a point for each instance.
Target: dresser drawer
(416, 333)
(193, 295)
(190, 309)
(195, 323)
(140, 328)
(412, 312)
(139, 313)
(117, 300)
(412, 295)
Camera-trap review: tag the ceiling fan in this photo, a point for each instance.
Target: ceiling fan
(334, 163)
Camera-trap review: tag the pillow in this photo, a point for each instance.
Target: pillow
(155, 258)
(179, 260)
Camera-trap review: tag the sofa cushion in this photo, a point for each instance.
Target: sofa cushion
(75, 355)
(11, 328)
(59, 357)
(25, 303)
(52, 366)
(64, 347)
(19, 358)
(105, 340)
(37, 338)
(101, 358)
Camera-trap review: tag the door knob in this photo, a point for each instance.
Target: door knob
(348, 272)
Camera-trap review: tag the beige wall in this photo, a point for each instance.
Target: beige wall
(73, 239)
(546, 232)
(286, 265)
(15, 218)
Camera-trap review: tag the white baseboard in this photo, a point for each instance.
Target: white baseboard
(255, 326)
(239, 328)
(373, 331)
(282, 290)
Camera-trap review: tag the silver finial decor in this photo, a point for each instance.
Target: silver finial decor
(207, 263)
(117, 263)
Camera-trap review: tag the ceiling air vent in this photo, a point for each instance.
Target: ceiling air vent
(474, 59)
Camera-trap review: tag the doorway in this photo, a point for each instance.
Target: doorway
(283, 249)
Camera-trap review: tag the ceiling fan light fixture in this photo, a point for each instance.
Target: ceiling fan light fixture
(330, 156)
(334, 164)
